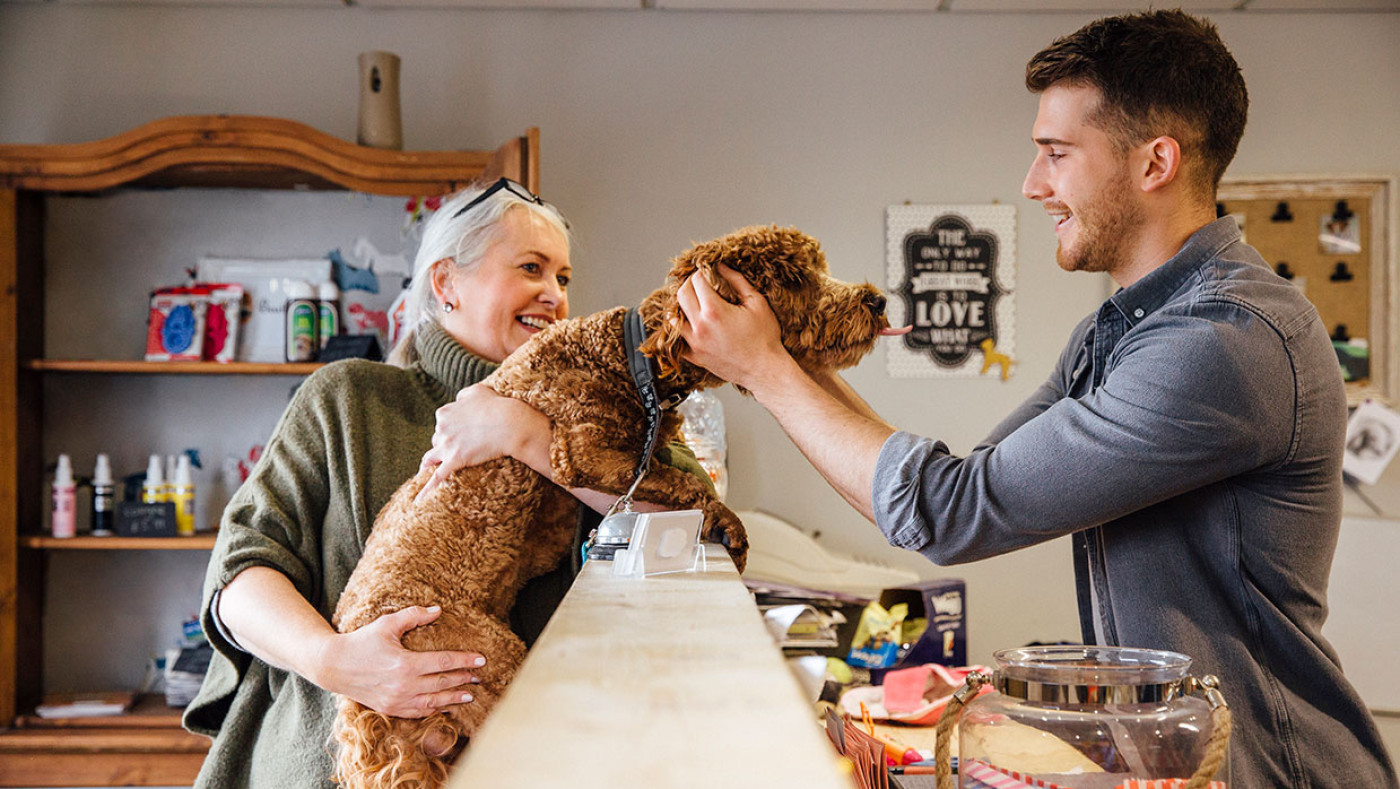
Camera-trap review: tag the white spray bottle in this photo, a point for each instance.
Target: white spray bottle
(64, 519)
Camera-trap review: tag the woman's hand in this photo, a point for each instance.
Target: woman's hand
(371, 666)
(481, 425)
(267, 617)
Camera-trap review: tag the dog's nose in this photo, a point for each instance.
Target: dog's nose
(876, 303)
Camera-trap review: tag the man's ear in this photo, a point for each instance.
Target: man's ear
(1159, 163)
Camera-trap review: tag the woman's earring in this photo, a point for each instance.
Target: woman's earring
(447, 306)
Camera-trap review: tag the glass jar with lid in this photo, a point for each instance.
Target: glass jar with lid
(1089, 717)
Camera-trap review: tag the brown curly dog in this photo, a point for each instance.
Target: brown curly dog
(479, 537)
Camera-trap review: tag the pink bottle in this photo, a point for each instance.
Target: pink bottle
(65, 500)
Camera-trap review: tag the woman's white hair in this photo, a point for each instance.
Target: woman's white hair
(463, 240)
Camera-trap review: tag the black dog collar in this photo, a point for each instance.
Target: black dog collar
(644, 375)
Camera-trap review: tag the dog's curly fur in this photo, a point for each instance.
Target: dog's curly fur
(481, 535)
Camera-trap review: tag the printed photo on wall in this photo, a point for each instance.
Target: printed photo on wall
(1373, 437)
(1339, 232)
(951, 275)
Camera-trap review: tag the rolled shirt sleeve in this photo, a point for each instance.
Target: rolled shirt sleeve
(1193, 397)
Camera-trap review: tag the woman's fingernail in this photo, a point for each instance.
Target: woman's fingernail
(433, 609)
(466, 697)
(481, 661)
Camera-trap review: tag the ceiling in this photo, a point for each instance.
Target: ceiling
(953, 6)
(985, 6)
(940, 6)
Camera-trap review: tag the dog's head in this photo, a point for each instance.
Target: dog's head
(826, 323)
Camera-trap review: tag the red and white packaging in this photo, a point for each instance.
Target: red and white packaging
(175, 325)
(221, 323)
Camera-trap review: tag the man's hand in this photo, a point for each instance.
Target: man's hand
(372, 667)
(478, 426)
(740, 343)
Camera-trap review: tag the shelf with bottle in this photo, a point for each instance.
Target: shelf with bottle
(67, 384)
(87, 542)
(135, 366)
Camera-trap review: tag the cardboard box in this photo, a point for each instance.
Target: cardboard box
(943, 603)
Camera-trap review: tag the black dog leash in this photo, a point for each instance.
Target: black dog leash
(644, 375)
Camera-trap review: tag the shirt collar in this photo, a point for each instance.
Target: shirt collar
(1148, 294)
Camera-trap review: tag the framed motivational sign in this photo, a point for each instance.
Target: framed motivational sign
(951, 276)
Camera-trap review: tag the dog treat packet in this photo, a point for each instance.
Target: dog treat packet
(221, 322)
(175, 325)
(877, 639)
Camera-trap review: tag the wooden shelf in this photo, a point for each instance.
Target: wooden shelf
(144, 747)
(171, 368)
(149, 712)
(233, 151)
(199, 542)
(211, 151)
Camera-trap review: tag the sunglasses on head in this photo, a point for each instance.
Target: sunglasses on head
(501, 183)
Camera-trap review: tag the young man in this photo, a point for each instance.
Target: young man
(1190, 437)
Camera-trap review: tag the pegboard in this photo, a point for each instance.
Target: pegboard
(1294, 248)
(1347, 269)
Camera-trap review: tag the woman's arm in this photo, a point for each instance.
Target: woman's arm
(263, 611)
(481, 425)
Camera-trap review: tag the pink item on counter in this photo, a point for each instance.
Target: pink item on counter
(920, 693)
(910, 689)
(980, 775)
(1164, 783)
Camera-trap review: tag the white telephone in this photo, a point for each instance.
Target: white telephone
(780, 553)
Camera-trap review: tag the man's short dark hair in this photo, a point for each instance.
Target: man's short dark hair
(1160, 73)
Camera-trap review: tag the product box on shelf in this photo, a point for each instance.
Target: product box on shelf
(222, 321)
(175, 325)
(943, 603)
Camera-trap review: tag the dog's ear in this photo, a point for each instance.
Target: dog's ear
(702, 258)
(769, 257)
(773, 258)
(665, 343)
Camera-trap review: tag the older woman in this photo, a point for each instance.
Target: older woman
(492, 269)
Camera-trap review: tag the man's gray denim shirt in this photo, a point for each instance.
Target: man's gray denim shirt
(1190, 439)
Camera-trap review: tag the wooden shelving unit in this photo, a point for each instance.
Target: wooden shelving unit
(135, 367)
(198, 542)
(145, 746)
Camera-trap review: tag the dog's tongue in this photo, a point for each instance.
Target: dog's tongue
(895, 332)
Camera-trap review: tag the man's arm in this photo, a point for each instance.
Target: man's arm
(838, 433)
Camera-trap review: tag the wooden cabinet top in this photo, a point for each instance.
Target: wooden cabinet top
(254, 152)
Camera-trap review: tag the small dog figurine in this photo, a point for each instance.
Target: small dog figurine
(476, 539)
(991, 356)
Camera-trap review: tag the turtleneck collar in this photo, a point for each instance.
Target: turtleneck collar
(444, 359)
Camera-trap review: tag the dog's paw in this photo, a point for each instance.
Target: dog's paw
(729, 531)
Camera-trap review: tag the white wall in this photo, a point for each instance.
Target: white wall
(661, 128)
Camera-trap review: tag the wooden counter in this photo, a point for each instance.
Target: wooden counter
(668, 681)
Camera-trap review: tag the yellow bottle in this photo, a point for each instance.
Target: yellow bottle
(153, 489)
(182, 493)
